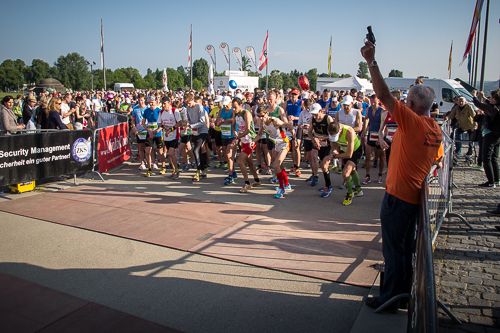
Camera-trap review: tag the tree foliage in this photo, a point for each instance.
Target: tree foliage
(12, 74)
(395, 73)
(363, 70)
(73, 71)
(200, 72)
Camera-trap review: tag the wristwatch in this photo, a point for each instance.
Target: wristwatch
(373, 64)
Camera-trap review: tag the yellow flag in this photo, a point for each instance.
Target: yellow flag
(330, 57)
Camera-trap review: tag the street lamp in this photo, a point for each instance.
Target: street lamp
(92, 71)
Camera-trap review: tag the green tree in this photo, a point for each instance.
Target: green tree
(200, 72)
(150, 79)
(175, 79)
(245, 63)
(12, 74)
(185, 74)
(275, 80)
(197, 85)
(287, 81)
(363, 70)
(395, 73)
(38, 71)
(312, 76)
(73, 71)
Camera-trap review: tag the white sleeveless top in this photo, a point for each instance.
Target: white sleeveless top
(350, 119)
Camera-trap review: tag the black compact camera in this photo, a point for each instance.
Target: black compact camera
(370, 36)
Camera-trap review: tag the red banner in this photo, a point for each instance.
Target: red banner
(113, 147)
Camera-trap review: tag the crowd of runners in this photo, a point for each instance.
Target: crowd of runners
(253, 132)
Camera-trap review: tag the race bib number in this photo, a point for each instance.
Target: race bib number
(323, 144)
(225, 129)
(142, 135)
(171, 136)
(153, 126)
(194, 131)
(390, 133)
(373, 136)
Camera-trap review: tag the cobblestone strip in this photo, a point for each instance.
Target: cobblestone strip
(467, 266)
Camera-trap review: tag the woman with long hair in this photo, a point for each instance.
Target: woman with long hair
(53, 114)
(8, 120)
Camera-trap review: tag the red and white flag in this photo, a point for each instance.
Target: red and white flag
(190, 42)
(263, 58)
(472, 33)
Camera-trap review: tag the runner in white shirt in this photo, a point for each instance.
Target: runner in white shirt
(171, 121)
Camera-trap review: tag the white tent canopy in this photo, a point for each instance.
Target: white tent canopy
(349, 83)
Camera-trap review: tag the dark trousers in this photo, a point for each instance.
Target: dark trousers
(398, 219)
(458, 144)
(480, 143)
(198, 141)
(490, 157)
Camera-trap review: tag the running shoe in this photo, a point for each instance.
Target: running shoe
(229, 181)
(297, 172)
(274, 180)
(343, 186)
(142, 166)
(256, 184)
(207, 170)
(235, 176)
(218, 165)
(149, 173)
(163, 171)
(380, 180)
(375, 164)
(487, 185)
(196, 177)
(309, 179)
(385, 171)
(225, 167)
(204, 174)
(339, 170)
(175, 175)
(280, 194)
(186, 167)
(155, 166)
(308, 165)
(348, 199)
(287, 187)
(314, 181)
(245, 188)
(358, 192)
(326, 192)
(269, 171)
(332, 167)
(366, 180)
(292, 170)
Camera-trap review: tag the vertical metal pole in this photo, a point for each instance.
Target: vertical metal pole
(267, 75)
(472, 57)
(191, 56)
(103, 65)
(92, 72)
(477, 50)
(483, 65)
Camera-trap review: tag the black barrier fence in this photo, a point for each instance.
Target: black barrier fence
(32, 156)
(105, 119)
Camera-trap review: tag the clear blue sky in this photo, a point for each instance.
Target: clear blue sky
(413, 37)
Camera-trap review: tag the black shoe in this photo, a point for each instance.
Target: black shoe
(493, 212)
(488, 185)
(373, 303)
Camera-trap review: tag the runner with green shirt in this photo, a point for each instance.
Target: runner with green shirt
(343, 138)
(275, 111)
(216, 131)
(246, 133)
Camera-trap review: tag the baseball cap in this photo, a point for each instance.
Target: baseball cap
(315, 108)
(240, 96)
(165, 99)
(127, 100)
(31, 99)
(347, 100)
(218, 98)
(226, 100)
(294, 91)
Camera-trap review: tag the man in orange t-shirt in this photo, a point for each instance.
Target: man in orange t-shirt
(416, 146)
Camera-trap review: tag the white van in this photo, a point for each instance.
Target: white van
(121, 87)
(445, 89)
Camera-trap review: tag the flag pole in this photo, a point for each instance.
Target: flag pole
(191, 69)
(267, 64)
(471, 62)
(477, 50)
(481, 84)
(102, 51)
(449, 64)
